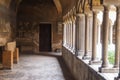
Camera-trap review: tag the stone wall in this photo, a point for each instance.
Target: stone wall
(56, 38)
(28, 33)
(7, 24)
(78, 68)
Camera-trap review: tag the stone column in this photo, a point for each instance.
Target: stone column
(68, 35)
(117, 40)
(117, 45)
(105, 35)
(76, 37)
(90, 34)
(111, 32)
(87, 37)
(99, 33)
(80, 34)
(94, 43)
(64, 34)
(73, 35)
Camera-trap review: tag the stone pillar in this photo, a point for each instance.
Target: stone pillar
(65, 27)
(117, 40)
(68, 35)
(90, 34)
(94, 43)
(80, 34)
(99, 33)
(73, 35)
(87, 37)
(117, 45)
(105, 35)
(64, 34)
(71, 32)
(76, 37)
(111, 32)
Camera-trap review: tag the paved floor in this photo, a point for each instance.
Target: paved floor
(38, 67)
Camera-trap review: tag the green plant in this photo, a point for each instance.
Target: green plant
(111, 56)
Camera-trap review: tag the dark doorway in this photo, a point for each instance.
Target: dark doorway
(45, 37)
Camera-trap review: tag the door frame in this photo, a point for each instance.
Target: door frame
(51, 33)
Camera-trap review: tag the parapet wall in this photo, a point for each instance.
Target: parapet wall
(79, 69)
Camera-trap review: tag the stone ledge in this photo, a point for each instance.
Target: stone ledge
(95, 62)
(93, 68)
(108, 70)
(86, 57)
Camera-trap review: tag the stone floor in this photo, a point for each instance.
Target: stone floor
(45, 66)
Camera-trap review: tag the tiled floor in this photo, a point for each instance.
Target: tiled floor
(38, 67)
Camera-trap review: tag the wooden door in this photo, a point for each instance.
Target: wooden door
(45, 37)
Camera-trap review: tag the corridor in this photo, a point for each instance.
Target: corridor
(43, 66)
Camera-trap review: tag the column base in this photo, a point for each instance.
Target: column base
(73, 50)
(108, 70)
(95, 62)
(70, 48)
(86, 57)
(80, 53)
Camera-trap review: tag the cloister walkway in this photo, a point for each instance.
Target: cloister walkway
(43, 66)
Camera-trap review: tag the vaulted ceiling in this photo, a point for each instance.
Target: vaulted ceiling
(43, 10)
(37, 10)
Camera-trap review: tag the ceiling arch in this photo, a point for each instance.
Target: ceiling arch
(56, 8)
(39, 9)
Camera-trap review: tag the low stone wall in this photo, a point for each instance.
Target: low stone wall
(79, 69)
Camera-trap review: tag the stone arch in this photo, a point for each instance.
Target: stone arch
(14, 4)
(80, 6)
(5, 3)
(83, 5)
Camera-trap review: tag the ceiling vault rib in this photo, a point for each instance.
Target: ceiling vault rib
(58, 6)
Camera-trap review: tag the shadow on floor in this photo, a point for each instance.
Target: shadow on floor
(66, 72)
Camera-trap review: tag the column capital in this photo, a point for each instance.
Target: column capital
(106, 8)
(80, 14)
(64, 23)
(89, 14)
(73, 19)
(95, 11)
